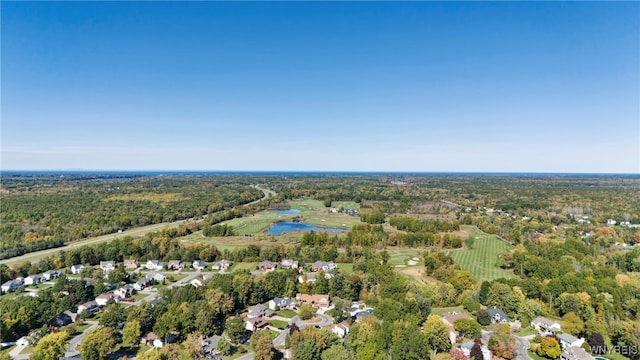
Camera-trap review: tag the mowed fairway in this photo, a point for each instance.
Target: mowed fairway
(481, 259)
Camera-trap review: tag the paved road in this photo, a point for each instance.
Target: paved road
(75, 342)
(138, 231)
(522, 345)
(325, 320)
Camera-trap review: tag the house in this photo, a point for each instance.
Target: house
(267, 266)
(498, 316)
(154, 265)
(65, 318)
(317, 301)
(107, 265)
(276, 304)
(566, 341)
(175, 265)
(259, 310)
(150, 339)
(255, 324)
(450, 319)
(125, 291)
(466, 349)
(323, 265)
(611, 222)
(104, 299)
(197, 282)
(131, 264)
(222, 265)
(142, 284)
(199, 265)
(10, 286)
(310, 278)
(90, 306)
(341, 329)
(154, 275)
(575, 353)
(76, 269)
(51, 274)
(33, 279)
(361, 315)
(289, 264)
(545, 326)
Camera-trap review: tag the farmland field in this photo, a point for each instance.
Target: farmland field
(481, 256)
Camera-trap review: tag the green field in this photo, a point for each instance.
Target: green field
(286, 313)
(278, 324)
(481, 256)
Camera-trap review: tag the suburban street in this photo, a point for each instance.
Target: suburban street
(72, 349)
(138, 231)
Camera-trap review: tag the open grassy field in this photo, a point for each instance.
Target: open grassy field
(481, 256)
(314, 212)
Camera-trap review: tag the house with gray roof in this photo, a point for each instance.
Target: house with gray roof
(281, 303)
(575, 353)
(568, 340)
(259, 310)
(498, 316)
(545, 326)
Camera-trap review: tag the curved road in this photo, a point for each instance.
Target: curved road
(138, 231)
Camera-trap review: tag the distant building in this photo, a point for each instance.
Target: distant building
(107, 265)
(498, 316)
(154, 265)
(199, 265)
(131, 264)
(341, 329)
(281, 304)
(222, 265)
(317, 301)
(323, 266)
(259, 310)
(267, 265)
(175, 265)
(105, 299)
(76, 269)
(33, 280)
(567, 341)
(51, 274)
(575, 353)
(90, 306)
(154, 275)
(255, 324)
(288, 264)
(466, 349)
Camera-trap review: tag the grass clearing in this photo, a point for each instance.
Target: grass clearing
(286, 313)
(481, 256)
(244, 266)
(278, 324)
(347, 268)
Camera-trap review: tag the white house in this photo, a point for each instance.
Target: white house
(197, 282)
(76, 269)
(33, 279)
(154, 275)
(575, 353)
(276, 304)
(222, 265)
(10, 286)
(105, 299)
(152, 340)
(567, 340)
(323, 265)
(175, 265)
(125, 291)
(142, 284)
(289, 264)
(498, 316)
(545, 326)
(255, 324)
(51, 274)
(90, 306)
(199, 265)
(107, 265)
(466, 349)
(341, 329)
(611, 222)
(154, 265)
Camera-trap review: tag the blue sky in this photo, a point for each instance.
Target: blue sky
(412, 86)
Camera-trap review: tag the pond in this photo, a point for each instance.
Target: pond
(287, 212)
(285, 227)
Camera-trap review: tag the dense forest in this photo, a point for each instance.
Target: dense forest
(571, 257)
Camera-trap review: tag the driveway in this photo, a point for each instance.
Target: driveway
(75, 342)
(522, 345)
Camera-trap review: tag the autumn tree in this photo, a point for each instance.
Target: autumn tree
(263, 346)
(235, 329)
(98, 344)
(437, 334)
(131, 333)
(572, 323)
(51, 346)
(549, 347)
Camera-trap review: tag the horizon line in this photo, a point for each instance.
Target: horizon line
(312, 171)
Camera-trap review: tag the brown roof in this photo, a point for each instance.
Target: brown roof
(313, 299)
(450, 318)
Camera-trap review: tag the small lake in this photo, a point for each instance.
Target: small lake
(285, 227)
(287, 212)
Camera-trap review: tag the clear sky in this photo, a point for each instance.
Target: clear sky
(412, 86)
